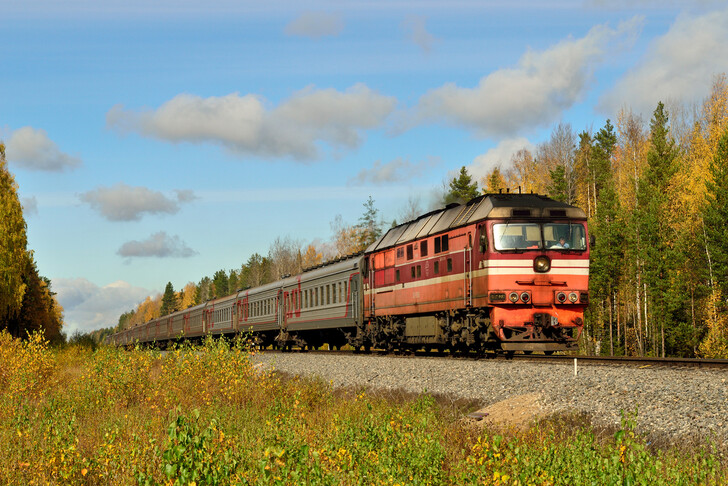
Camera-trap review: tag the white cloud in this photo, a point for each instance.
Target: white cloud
(678, 66)
(159, 245)
(31, 149)
(126, 203)
(30, 205)
(532, 94)
(243, 124)
(88, 307)
(498, 156)
(416, 31)
(315, 25)
(397, 170)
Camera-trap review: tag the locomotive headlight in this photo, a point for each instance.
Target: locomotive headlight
(573, 297)
(542, 264)
(513, 297)
(561, 297)
(525, 297)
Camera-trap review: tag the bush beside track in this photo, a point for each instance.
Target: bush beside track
(206, 415)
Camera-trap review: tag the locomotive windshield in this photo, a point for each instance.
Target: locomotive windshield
(534, 236)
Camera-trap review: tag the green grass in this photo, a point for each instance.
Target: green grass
(206, 415)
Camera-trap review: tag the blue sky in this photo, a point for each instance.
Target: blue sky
(161, 141)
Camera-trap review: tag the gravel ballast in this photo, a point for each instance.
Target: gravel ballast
(671, 403)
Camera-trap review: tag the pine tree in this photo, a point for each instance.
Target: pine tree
(13, 252)
(169, 300)
(462, 188)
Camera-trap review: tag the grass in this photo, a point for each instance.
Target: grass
(206, 415)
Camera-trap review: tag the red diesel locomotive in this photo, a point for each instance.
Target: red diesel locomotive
(504, 272)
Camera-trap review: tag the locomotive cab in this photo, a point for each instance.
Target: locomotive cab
(537, 268)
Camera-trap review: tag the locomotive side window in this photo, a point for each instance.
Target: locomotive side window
(445, 246)
(423, 248)
(564, 236)
(438, 248)
(449, 264)
(410, 253)
(397, 275)
(419, 271)
(437, 268)
(412, 271)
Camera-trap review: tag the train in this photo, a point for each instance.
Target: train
(504, 273)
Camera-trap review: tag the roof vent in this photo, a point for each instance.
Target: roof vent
(558, 213)
(521, 212)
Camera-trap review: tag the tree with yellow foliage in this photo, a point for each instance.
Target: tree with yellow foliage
(13, 242)
(494, 181)
(186, 296)
(311, 257)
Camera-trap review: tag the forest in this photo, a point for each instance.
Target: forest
(655, 192)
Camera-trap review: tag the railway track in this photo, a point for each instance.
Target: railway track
(639, 362)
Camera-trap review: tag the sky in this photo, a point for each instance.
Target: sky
(157, 142)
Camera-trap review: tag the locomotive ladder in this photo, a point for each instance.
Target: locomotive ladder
(467, 275)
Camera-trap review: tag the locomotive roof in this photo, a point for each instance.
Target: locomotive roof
(487, 206)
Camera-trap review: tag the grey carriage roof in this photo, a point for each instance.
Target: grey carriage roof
(509, 205)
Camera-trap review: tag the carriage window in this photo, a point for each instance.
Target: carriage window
(328, 294)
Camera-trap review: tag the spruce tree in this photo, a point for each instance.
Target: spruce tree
(716, 214)
(559, 187)
(169, 300)
(462, 188)
(220, 283)
(369, 227)
(652, 220)
(607, 255)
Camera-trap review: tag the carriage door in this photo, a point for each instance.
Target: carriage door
(354, 300)
(280, 305)
(468, 271)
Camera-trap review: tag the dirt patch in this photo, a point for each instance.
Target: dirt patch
(515, 412)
